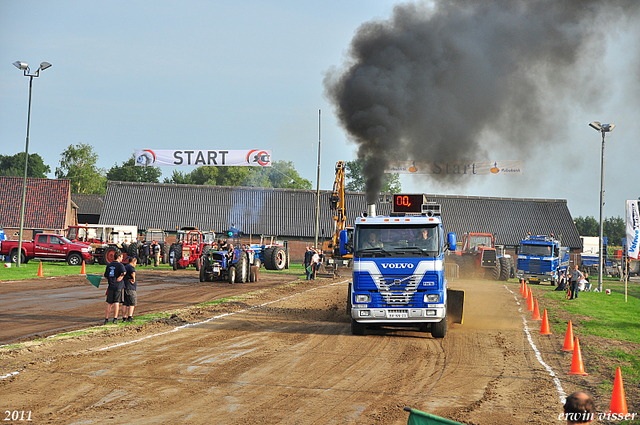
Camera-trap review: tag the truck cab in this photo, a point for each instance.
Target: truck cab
(541, 259)
(398, 270)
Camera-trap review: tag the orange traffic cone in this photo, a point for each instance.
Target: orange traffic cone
(568, 338)
(83, 270)
(544, 329)
(577, 368)
(618, 399)
(530, 301)
(522, 286)
(40, 270)
(525, 294)
(536, 311)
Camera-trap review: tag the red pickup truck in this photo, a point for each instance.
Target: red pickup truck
(48, 246)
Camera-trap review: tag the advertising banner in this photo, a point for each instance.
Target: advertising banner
(213, 158)
(633, 230)
(442, 167)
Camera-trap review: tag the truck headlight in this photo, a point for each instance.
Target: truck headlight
(432, 298)
(86, 249)
(363, 298)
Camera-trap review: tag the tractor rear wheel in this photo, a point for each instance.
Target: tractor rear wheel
(242, 268)
(495, 272)
(268, 259)
(279, 258)
(133, 248)
(166, 250)
(232, 275)
(110, 254)
(177, 255)
(504, 268)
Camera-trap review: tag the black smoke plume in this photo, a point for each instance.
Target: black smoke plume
(436, 81)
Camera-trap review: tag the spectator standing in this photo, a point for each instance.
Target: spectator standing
(576, 276)
(307, 262)
(130, 290)
(315, 259)
(156, 254)
(562, 283)
(115, 274)
(145, 254)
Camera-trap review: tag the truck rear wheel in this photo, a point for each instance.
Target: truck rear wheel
(357, 328)
(439, 330)
(14, 257)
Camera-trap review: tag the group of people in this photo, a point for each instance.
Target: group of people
(149, 252)
(312, 260)
(122, 288)
(577, 282)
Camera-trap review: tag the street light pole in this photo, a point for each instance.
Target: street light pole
(25, 67)
(602, 128)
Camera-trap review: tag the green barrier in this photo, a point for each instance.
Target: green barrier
(416, 417)
(94, 279)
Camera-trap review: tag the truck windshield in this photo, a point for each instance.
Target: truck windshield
(395, 241)
(539, 250)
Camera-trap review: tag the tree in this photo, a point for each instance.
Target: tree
(614, 229)
(281, 174)
(78, 164)
(13, 166)
(587, 226)
(129, 172)
(356, 182)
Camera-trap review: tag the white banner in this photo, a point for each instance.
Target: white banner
(214, 158)
(633, 229)
(470, 168)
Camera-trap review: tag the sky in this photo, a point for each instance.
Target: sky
(250, 75)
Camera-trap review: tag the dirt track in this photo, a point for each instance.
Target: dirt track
(286, 356)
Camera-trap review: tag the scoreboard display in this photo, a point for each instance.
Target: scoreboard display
(408, 203)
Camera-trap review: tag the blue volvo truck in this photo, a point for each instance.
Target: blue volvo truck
(541, 259)
(398, 269)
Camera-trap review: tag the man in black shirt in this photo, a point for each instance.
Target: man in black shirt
(115, 274)
(130, 290)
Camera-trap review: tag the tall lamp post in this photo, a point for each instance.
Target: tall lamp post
(602, 128)
(23, 66)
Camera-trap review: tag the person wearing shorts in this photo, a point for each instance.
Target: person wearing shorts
(115, 274)
(130, 290)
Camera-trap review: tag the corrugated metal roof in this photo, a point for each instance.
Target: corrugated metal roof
(88, 204)
(292, 212)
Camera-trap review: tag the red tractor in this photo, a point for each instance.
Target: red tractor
(190, 246)
(479, 258)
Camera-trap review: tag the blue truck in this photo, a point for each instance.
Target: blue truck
(541, 259)
(398, 269)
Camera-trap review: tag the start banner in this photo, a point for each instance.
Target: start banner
(633, 230)
(214, 158)
(444, 167)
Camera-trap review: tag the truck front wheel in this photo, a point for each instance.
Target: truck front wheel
(357, 328)
(74, 259)
(439, 330)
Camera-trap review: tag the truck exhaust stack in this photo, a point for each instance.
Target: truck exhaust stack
(371, 210)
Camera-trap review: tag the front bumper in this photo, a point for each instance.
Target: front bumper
(398, 315)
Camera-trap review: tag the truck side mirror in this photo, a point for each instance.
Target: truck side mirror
(451, 241)
(344, 240)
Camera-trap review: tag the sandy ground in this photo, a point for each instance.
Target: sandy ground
(283, 355)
